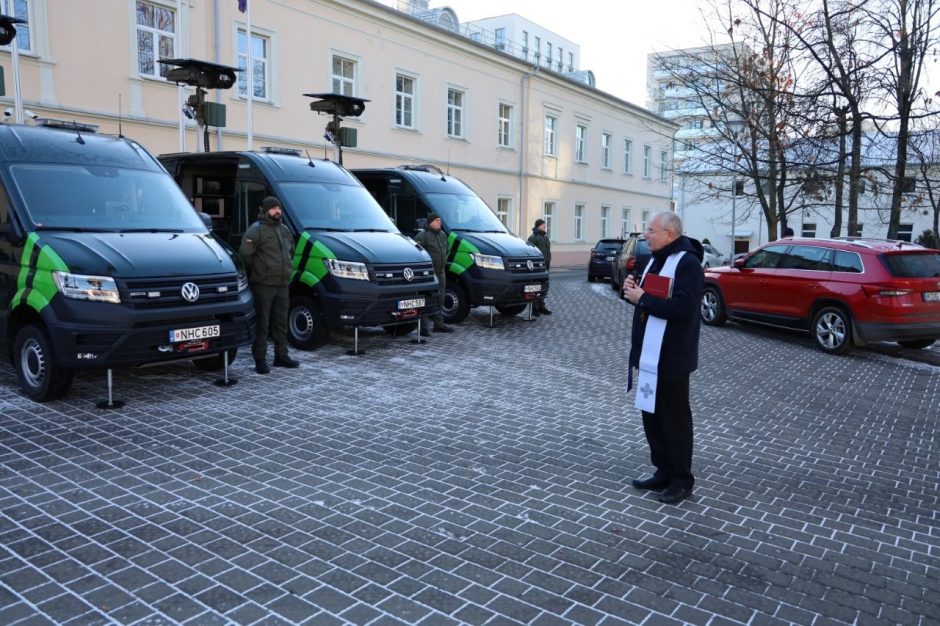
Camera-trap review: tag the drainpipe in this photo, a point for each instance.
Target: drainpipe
(524, 148)
(216, 33)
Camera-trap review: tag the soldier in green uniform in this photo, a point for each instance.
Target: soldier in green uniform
(434, 242)
(539, 239)
(267, 249)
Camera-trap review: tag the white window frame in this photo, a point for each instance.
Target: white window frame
(504, 209)
(645, 220)
(159, 70)
(504, 124)
(455, 113)
(551, 135)
(605, 220)
(580, 143)
(348, 85)
(241, 61)
(626, 216)
(579, 222)
(606, 138)
(628, 156)
(647, 160)
(27, 31)
(402, 98)
(548, 212)
(905, 231)
(663, 162)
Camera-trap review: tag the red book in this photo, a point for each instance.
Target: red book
(658, 286)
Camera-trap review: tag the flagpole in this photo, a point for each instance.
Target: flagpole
(17, 95)
(251, 70)
(181, 102)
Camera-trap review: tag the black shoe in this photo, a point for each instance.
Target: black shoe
(545, 311)
(425, 331)
(286, 361)
(653, 483)
(536, 312)
(261, 366)
(443, 328)
(674, 495)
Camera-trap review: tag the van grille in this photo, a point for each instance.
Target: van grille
(519, 265)
(154, 293)
(394, 274)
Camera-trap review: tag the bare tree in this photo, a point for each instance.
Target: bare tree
(925, 157)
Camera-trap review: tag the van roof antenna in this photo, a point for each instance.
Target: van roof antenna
(120, 129)
(309, 160)
(79, 138)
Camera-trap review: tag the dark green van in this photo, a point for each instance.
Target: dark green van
(104, 263)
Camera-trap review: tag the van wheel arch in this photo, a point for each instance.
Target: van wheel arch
(456, 300)
(306, 324)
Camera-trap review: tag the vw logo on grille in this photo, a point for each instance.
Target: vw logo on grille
(409, 274)
(190, 292)
(529, 264)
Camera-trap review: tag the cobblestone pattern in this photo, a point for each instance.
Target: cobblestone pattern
(481, 478)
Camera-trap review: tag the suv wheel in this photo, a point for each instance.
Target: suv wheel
(713, 309)
(832, 330)
(456, 303)
(306, 329)
(35, 365)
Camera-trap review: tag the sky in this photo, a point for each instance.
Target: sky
(615, 35)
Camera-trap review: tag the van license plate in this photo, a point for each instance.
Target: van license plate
(194, 334)
(932, 296)
(416, 303)
(532, 288)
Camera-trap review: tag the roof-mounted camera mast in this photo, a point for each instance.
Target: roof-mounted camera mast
(8, 37)
(338, 106)
(202, 75)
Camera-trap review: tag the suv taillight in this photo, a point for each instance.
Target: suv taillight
(876, 291)
(631, 263)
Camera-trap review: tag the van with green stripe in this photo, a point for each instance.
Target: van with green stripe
(104, 263)
(351, 266)
(487, 265)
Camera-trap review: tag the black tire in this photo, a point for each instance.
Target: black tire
(216, 362)
(510, 309)
(591, 278)
(917, 344)
(306, 328)
(456, 303)
(34, 360)
(713, 308)
(832, 330)
(613, 283)
(398, 330)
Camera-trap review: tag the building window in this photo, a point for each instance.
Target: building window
(580, 139)
(627, 156)
(20, 9)
(605, 220)
(548, 54)
(551, 147)
(561, 56)
(647, 161)
(571, 61)
(504, 130)
(809, 230)
(538, 49)
(404, 101)
(260, 51)
(625, 227)
(525, 45)
(504, 210)
(156, 37)
(905, 232)
(605, 150)
(344, 76)
(645, 217)
(579, 222)
(663, 162)
(547, 210)
(909, 185)
(739, 187)
(500, 43)
(455, 111)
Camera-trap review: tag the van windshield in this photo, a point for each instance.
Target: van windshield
(102, 198)
(468, 213)
(332, 206)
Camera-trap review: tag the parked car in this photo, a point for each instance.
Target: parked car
(602, 255)
(713, 258)
(633, 257)
(844, 291)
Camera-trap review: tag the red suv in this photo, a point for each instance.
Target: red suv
(843, 291)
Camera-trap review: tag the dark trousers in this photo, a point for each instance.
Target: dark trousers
(438, 318)
(271, 309)
(669, 432)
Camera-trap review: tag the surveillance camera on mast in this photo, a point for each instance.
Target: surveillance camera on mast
(339, 106)
(8, 28)
(202, 75)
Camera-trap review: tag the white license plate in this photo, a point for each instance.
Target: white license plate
(189, 334)
(416, 303)
(532, 288)
(932, 296)
(610, 258)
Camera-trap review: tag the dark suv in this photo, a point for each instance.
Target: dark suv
(602, 255)
(632, 260)
(842, 291)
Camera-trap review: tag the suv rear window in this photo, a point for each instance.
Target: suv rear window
(608, 246)
(922, 265)
(642, 248)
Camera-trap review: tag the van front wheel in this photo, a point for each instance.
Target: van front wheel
(306, 328)
(39, 375)
(456, 303)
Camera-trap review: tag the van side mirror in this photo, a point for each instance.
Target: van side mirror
(206, 220)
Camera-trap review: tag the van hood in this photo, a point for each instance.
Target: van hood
(379, 247)
(141, 255)
(500, 244)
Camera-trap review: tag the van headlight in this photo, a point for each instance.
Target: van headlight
(242, 282)
(83, 287)
(488, 261)
(347, 269)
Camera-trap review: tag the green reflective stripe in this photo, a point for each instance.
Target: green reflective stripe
(35, 285)
(461, 257)
(314, 269)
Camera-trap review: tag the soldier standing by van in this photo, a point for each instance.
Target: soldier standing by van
(540, 240)
(267, 249)
(434, 242)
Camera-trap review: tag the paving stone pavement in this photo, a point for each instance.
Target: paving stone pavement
(481, 478)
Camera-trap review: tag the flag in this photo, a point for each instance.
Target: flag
(242, 5)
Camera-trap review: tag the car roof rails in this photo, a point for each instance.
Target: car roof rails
(280, 150)
(424, 167)
(49, 122)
